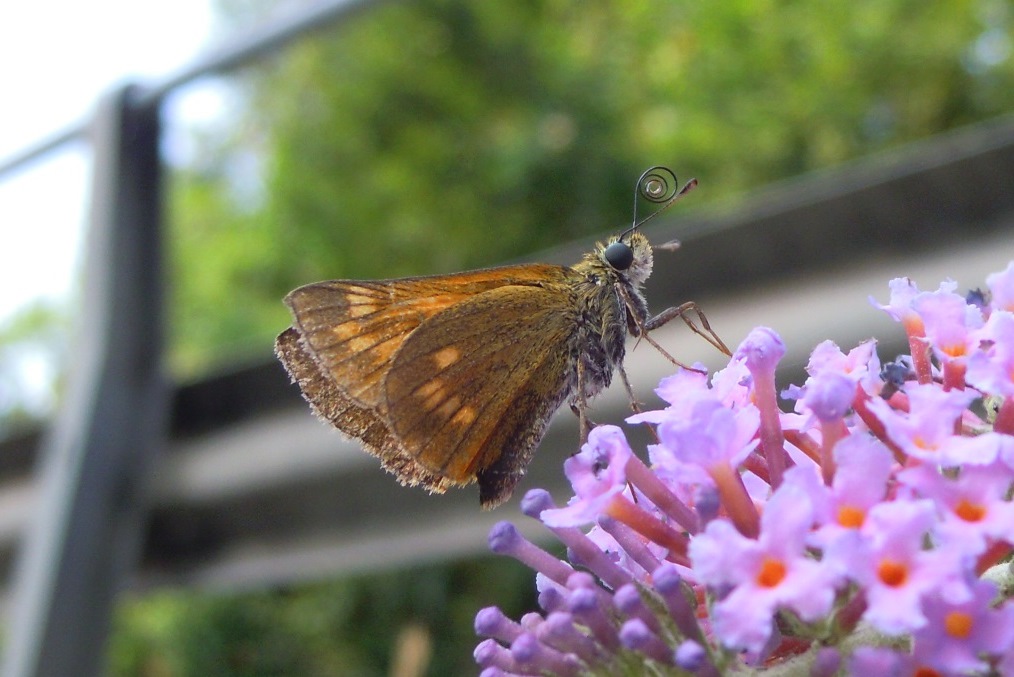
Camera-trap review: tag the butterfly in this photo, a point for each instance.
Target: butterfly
(453, 379)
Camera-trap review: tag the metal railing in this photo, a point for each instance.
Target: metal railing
(252, 45)
(98, 452)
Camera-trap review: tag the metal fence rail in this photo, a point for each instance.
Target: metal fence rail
(96, 459)
(101, 446)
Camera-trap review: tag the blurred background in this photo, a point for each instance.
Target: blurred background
(833, 143)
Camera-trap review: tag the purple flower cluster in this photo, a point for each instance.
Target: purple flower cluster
(867, 531)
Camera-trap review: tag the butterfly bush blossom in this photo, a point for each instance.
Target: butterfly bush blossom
(869, 531)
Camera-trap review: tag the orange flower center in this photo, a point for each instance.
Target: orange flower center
(924, 671)
(913, 324)
(968, 511)
(892, 573)
(923, 443)
(955, 350)
(850, 517)
(958, 624)
(771, 573)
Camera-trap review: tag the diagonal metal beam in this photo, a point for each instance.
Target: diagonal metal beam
(83, 542)
(256, 43)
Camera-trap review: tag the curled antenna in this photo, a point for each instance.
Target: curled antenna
(658, 185)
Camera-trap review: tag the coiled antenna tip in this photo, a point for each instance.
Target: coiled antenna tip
(657, 185)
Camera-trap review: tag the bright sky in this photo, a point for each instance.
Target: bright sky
(56, 60)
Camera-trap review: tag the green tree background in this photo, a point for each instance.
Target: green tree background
(441, 135)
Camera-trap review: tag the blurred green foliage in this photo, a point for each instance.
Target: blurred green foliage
(440, 135)
(347, 628)
(443, 135)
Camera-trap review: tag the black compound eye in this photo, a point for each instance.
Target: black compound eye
(619, 255)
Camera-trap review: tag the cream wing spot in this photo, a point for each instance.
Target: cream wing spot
(352, 336)
(429, 388)
(464, 417)
(445, 357)
(356, 343)
(432, 393)
(362, 309)
(344, 331)
(354, 299)
(449, 408)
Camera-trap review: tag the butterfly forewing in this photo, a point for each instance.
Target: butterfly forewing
(330, 403)
(353, 329)
(459, 382)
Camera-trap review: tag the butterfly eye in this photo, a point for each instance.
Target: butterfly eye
(619, 255)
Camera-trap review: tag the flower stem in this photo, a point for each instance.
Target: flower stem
(640, 520)
(735, 498)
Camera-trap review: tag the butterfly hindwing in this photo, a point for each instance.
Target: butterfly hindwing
(468, 388)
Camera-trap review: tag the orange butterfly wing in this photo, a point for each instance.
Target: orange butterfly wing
(353, 328)
(349, 336)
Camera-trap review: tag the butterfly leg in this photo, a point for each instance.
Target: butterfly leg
(580, 406)
(584, 423)
(683, 311)
(643, 326)
(635, 406)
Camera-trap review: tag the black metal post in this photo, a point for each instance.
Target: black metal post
(82, 545)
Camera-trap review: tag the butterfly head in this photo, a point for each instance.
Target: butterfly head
(629, 256)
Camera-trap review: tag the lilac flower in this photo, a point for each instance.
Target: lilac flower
(956, 635)
(598, 475)
(533, 655)
(636, 635)
(878, 660)
(893, 569)
(829, 395)
(716, 439)
(974, 507)
(899, 306)
(491, 622)
(950, 323)
(861, 364)
(732, 385)
(679, 391)
(863, 523)
(763, 575)
(992, 369)
(690, 656)
(489, 654)
(711, 435)
(1001, 288)
(926, 432)
(863, 468)
(505, 539)
(827, 663)
(761, 351)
